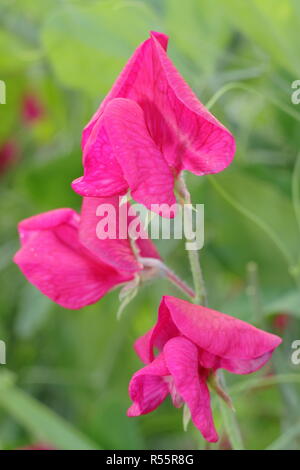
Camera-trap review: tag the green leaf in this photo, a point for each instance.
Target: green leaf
(13, 53)
(285, 439)
(40, 421)
(262, 382)
(231, 426)
(111, 425)
(198, 32)
(186, 417)
(33, 311)
(271, 25)
(296, 189)
(289, 303)
(264, 206)
(88, 46)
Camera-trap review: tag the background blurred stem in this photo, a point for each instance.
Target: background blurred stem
(296, 189)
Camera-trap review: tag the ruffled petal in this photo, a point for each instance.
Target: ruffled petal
(240, 366)
(185, 128)
(102, 174)
(187, 134)
(127, 84)
(147, 388)
(218, 333)
(52, 258)
(143, 165)
(236, 366)
(157, 337)
(142, 347)
(115, 251)
(132, 153)
(181, 357)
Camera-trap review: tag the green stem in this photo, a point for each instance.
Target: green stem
(229, 418)
(240, 85)
(199, 285)
(296, 190)
(259, 222)
(169, 274)
(198, 280)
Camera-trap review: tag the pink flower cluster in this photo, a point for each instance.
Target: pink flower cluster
(148, 129)
(193, 343)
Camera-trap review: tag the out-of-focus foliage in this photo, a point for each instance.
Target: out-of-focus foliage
(241, 58)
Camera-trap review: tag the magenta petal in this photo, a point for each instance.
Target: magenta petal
(248, 366)
(146, 247)
(186, 133)
(181, 357)
(128, 83)
(218, 333)
(187, 129)
(115, 252)
(142, 347)
(52, 258)
(47, 220)
(143, 165)
(147, 388)
(236, 366)
(102, 173)
(129, 158)
(157, 337)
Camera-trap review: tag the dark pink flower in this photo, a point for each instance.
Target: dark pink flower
(192, 343)
(9, 153)
(37, 446)
(32, 108)
(63, 257)
(281, 321)
(148, 129)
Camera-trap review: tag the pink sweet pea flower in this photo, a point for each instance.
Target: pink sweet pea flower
(63, 257)
(281, 322)
(32, 108)
(9, 152)
(148, 129)
(192, 343)
(37, 446)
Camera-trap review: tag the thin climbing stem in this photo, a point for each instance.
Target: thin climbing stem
(180, 284)
(240, 85)
(230, 422)
(200, 290)
(255, 219)
(296, 190)
(169, 274)
(193, 254)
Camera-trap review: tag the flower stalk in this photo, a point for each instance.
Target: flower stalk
(200, 298)
(198, 279)
(167, 272)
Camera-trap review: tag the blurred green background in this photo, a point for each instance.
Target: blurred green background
(67, 372)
